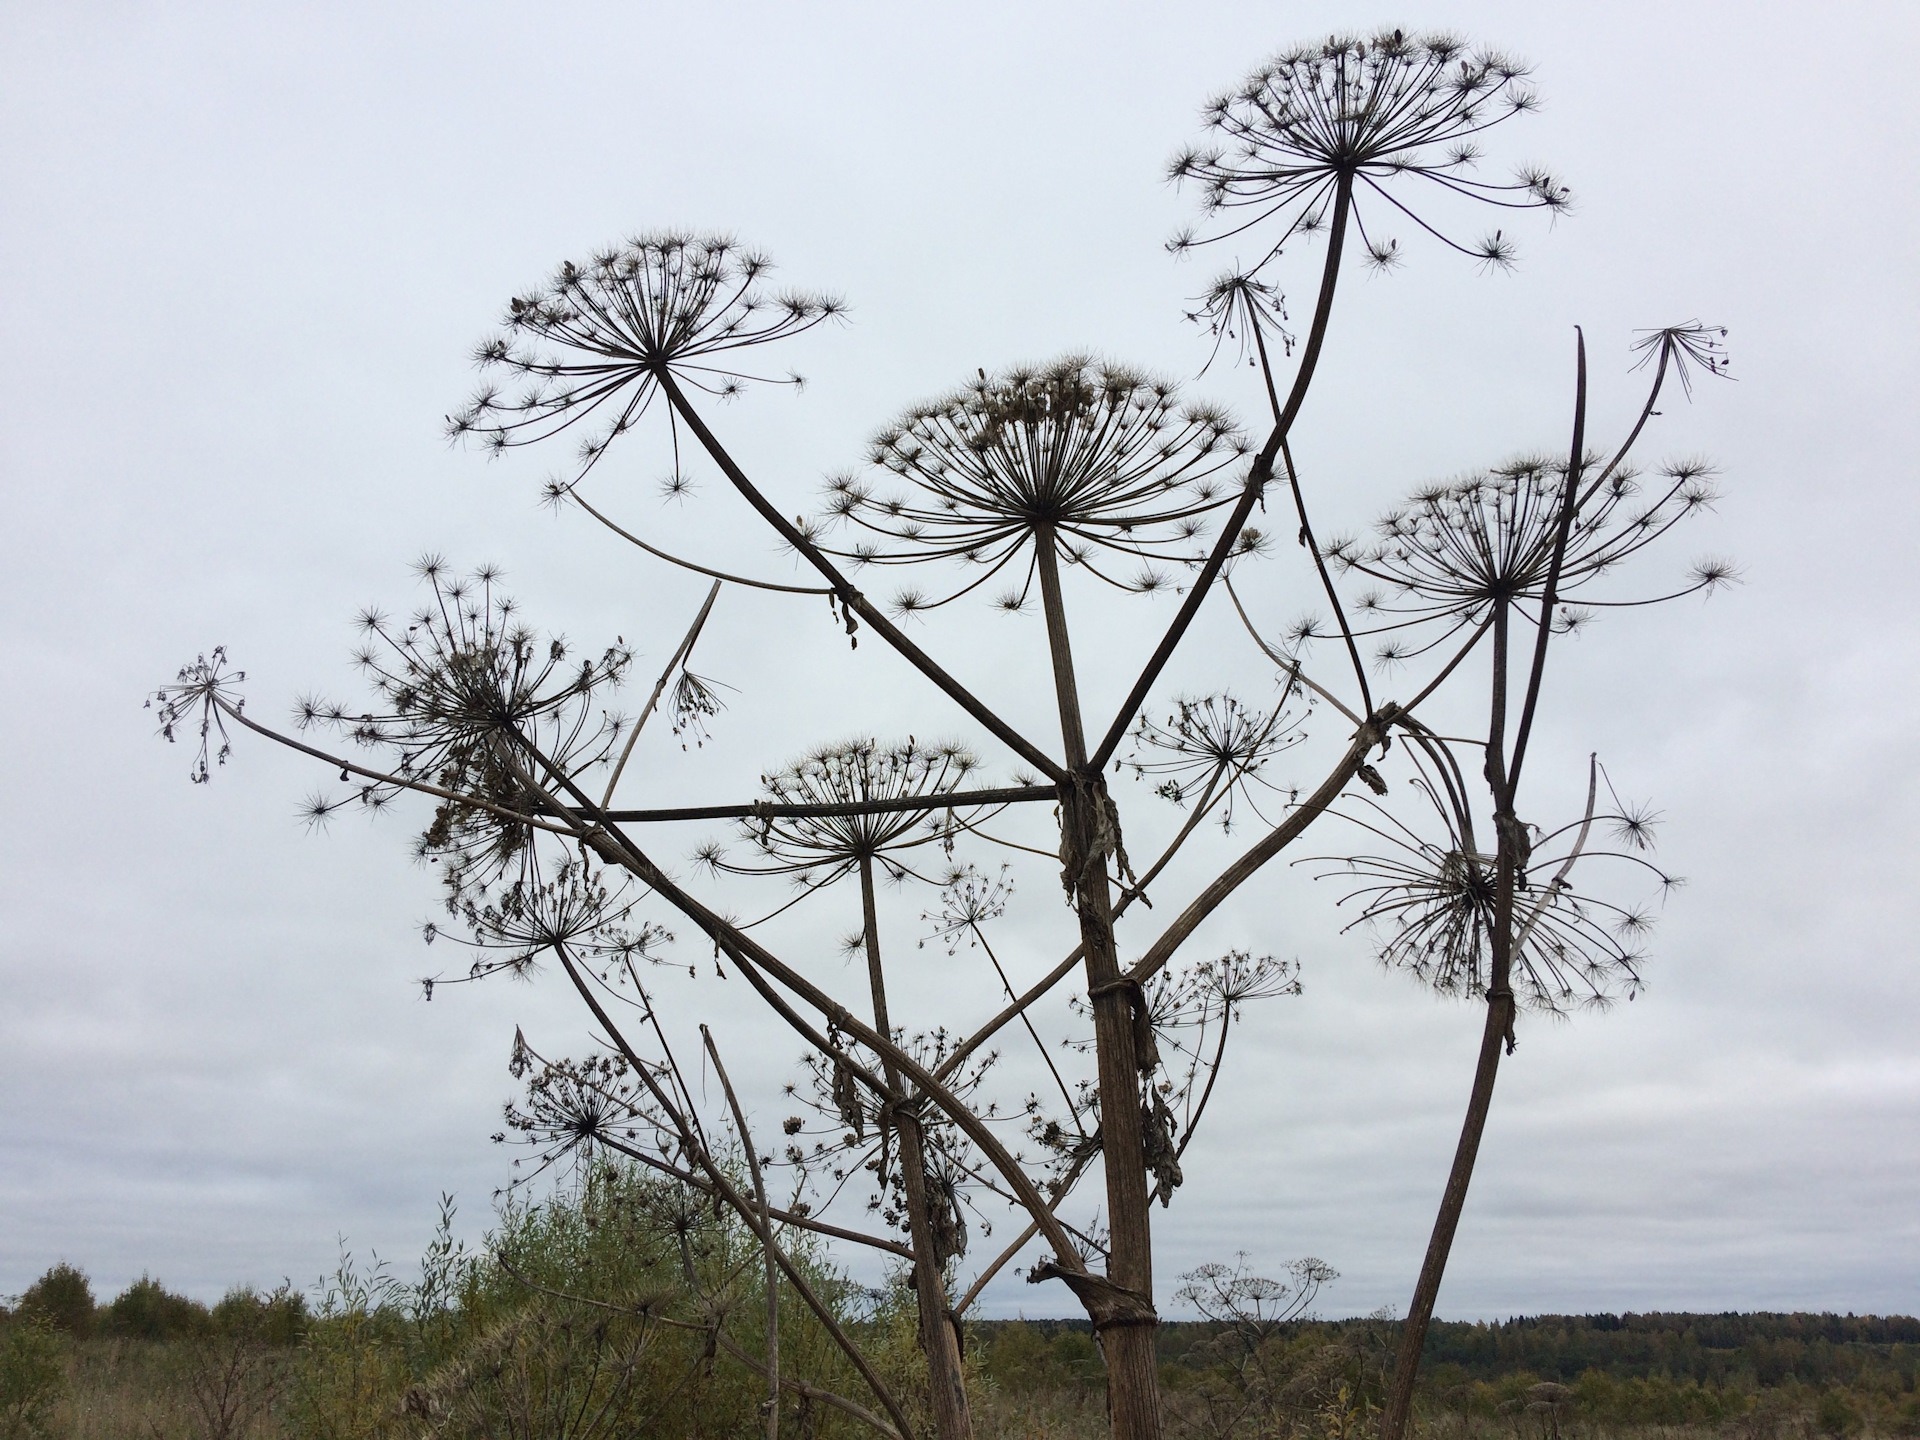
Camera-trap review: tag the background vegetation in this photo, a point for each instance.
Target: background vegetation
(623, 1307)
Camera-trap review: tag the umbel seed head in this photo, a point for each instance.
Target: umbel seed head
(589, 348)
(1089, 458)
(1361, 117)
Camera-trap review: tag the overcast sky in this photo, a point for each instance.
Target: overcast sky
(247, 251)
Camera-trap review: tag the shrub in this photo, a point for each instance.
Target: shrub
(64, 1298)
(277, 1318)
(147, 1310)
(1835, 1414)
(33, 1376)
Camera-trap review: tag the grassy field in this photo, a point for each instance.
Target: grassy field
(1031, 1381)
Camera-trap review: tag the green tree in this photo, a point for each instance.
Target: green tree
(1835, 1413)
(64, 1298)
(147, 1310)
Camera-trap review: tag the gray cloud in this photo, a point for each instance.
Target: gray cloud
(248, 253)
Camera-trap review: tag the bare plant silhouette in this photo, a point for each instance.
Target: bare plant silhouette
(1077, 481)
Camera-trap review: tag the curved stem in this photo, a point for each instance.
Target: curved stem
(1448, 668)
(1570, 503)
(1209, 797)
(1213, 1074)
(1257, 477)
(1560, 875)
(692, 565)
(1289, 667)
(1633, 436)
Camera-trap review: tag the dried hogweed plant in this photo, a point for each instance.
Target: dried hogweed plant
(1470, 897)
(920, 1122)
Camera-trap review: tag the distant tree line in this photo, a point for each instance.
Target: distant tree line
(1763, 1376)
(62, 1300)
(1761, 1349)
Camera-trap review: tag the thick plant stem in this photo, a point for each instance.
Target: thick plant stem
(946, 1383)
(1413, 1335)
(1509, 860)
(1503, 780)
(1122, 1308)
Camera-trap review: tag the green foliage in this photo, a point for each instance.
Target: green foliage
(608, 1311)
(1904, 1418)
(64, 1298)
(277, 1318)
(578, 1324)
(1301, 1381)
(627, 1307)
(1835, 1414)
(147, 1310)
(1023, 1356)
(350, 1371)
(33, 1376)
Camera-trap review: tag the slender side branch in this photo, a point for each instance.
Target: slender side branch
(1326, 580)
(695, 566)
(758, 809)
(1017, 1007)
(1062, 1188)
(401, 782)
(646, 713)
(785, 1217)
(1289, 666)
(807, 1392)
(1175, 935)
